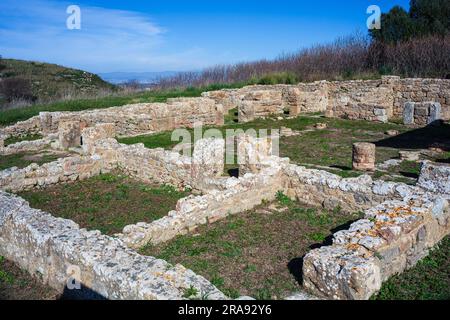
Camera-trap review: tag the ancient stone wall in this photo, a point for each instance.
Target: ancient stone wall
(26, 146)
(393, 237)
(60, 171)
(130, 119)
(58, 252)
(372, 100)
(22, 128)
(422, 113)
(238, 196)
(317, 187)
(401, 222)
(422, 90)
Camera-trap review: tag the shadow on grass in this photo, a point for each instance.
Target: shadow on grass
(344, 168)
(422, 138)
(295, 266)
(409, 174)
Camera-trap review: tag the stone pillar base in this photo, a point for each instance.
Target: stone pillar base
(364, 156)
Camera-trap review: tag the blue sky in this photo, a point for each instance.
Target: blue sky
(142, 36)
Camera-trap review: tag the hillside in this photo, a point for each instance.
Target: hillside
(44, 82)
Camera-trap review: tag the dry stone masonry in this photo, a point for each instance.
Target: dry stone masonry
(372, 100)
(401, 222)
(52, 248)
(422, 114)
(128, 120)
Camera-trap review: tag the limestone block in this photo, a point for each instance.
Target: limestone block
(435, 113)
(408, 113)
(364, 156)
(92, 134)
(2, 142)
(421, 110)
(45, 119)
(435, 177)
(208, 158)
(409, 155)
(252, 152)
(380, 114)
(392, 133)
(321, 126)
(340, 274)
(246, 111)
(69, 134)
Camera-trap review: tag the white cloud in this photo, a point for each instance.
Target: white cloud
(109, 40)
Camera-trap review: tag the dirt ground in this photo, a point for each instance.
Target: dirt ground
(17, 284)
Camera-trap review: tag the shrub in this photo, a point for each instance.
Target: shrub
(16, 89)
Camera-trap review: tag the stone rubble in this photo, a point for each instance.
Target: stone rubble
(372, 100)
(27, 146)
(394, 236)
(49, 247)
(401, 222)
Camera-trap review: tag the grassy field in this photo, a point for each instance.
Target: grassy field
(30, 137)
(8, 117)
(17, 284)
(50, 81)
(428, 280)
(24, 159)
(331, 147)
(256, 253)
(108, 202)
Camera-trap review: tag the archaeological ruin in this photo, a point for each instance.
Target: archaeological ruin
(401, 222)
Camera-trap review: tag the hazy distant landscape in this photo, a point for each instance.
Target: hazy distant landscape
(141, 77)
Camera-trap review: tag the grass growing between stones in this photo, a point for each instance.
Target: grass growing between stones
(108, 202)
(257, 253)
(428, 280)
(17, 284)
(24, 159)
(8, 117)
(330, 148)
(30, 137)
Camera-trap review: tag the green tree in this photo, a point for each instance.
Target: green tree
(430, 16)
(425, 17)
(396, 25)
(2, 66)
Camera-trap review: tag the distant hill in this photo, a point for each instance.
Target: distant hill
(51, 82)
(141, 77)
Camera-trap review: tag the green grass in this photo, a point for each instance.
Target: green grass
(22, 160)
(51, 81)
(30, 137)
(8, 117)
(254, 253)
(428, 280)
(108, 202)
(5, 276)
(331, 147)
(18, 284)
